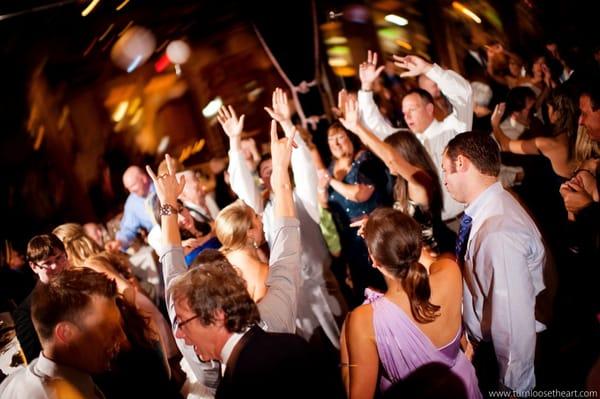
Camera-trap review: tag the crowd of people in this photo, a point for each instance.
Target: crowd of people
(452, 254)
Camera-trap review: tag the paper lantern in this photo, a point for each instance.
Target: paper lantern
(133, 48)
(178, 52)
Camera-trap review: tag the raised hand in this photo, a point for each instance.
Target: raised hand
(229, 121)
(281, 110)
(342, 98)
(168, 188)
(415, 65)
(281, 149)
(368, 71)
(351, 120)
(496, 117)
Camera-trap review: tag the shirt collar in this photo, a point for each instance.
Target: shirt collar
(430, 131)
(228, 347)
(479, 203)
(82, 381)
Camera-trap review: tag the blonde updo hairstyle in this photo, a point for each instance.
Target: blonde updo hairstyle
(232, 225)
(77, 244)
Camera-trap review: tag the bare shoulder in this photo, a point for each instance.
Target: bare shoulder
(445, 274)
(361, 314)
(360, 320)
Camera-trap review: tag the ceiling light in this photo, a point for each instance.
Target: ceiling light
(89, 8)
(397, 20)
(120, 111)
(458, 6)
(212, 108)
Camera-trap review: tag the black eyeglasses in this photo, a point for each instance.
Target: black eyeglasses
(179, 324)
(51, 260)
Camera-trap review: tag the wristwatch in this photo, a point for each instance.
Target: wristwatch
(167, 209)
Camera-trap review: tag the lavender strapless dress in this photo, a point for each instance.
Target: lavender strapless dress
(403, 347)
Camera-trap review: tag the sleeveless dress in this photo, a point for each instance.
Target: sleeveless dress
(403, 347)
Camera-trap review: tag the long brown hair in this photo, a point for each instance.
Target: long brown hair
(408, 146)
(394, 241)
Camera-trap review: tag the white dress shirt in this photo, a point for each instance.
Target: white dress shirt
(45, 379)
(437, 135)
(503, 273)
(228, 349)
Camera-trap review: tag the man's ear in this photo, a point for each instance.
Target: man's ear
(462, 163)
(430, 108)
(64, 332)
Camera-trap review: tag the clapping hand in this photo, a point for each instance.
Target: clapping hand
(368, 71)
(415, 65)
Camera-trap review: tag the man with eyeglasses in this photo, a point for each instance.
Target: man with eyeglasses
(47, 258)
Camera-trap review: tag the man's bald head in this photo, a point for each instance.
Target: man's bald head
(136, 181)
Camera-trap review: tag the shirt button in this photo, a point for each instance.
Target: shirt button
(347, 209)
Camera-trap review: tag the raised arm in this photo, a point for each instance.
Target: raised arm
(303, 166)
(278, 307)
(523, 147)
(168, 188)
(369, 112)
(242, 182)
(394, 161)
(456, 88)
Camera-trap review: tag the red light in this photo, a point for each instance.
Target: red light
(162, 63)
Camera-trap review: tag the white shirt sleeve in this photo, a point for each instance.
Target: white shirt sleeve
(502, 271)
(305, 178)
(242, 182)
(458, 91)
(371, 117)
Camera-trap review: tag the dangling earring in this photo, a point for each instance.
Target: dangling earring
(254, 244)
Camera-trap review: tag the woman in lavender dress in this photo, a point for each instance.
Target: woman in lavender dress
(418, 319)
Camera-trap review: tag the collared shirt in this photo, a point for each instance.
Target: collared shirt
(208, 212)
(136, 214)
(503, 273)
(512, 128)
(277, 308)
(45, 379)
(437, 135)
(228, 348)
(434, 139)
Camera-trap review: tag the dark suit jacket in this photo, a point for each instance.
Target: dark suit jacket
(28, 338)
(272, 365)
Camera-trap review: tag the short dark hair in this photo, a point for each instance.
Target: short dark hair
(516, 99)
(593, 92)
(480, 149)
(66, 296)
(263, 158)
(424, 94)
(43, 246)
(214, 287)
